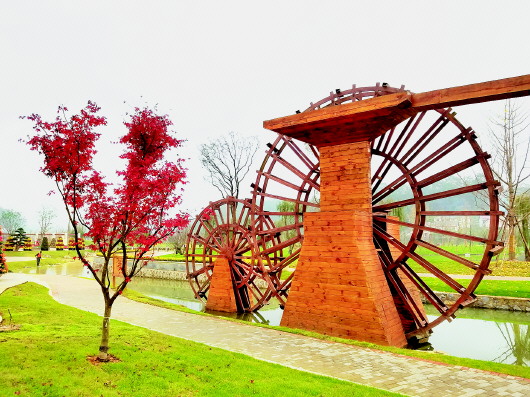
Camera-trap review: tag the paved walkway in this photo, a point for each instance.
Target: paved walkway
(369, 367)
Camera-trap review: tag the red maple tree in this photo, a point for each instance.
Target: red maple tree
(127, 219)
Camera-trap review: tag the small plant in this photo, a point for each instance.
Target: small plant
(28, 244)
(10, 244)
(59, 244)
(3, 264)
(53, 242)
(71, 244)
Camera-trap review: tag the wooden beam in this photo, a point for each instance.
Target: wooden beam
(340, 114)
(512, 87)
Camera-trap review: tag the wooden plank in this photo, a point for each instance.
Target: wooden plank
(317, 117)
(512, 87)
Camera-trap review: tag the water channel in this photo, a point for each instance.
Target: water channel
(491, 335)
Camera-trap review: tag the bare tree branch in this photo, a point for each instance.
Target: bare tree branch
(228, 160)
(46, 217)
(511, 149)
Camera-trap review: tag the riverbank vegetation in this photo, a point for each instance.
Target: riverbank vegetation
(48, 356)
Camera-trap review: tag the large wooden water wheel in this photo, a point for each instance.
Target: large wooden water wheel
(429, 172)
(225, 229)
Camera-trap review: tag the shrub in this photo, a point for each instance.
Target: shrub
(44, 245)
(28, 244)
(3, 264)
(10, 244)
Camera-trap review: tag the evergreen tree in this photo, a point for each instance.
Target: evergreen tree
(18, 238)
(45, 245)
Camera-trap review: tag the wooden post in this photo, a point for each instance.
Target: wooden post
(117, 261)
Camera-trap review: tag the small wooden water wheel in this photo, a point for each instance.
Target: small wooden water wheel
(429, 176)
(224, 230)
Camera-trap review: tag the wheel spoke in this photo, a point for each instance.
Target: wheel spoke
(279, 180)
(293, 200)
(301, 155)
(439, 231)
(293, 169)
(425, 139)
(384, 167)
(451, 171)
(437, 155)
(436, 196)
(448, 254)
(420, 260)
(424, 289)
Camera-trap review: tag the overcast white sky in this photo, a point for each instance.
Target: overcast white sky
(220, 66)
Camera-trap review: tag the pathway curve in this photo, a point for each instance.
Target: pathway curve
(383, 370)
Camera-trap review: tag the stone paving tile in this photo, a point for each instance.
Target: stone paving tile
(374, 368)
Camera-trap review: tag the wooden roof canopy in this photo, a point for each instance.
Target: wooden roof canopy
(369, 118)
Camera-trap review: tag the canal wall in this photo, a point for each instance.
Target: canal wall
(177, 271)
(164, 270)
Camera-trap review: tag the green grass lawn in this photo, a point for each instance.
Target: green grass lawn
(45, 254)
(48, 258)
(498, 266)
(171, 257)
(48, 356)
(516, 289)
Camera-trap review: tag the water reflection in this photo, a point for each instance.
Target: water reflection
(517, 337)
(173, 291)
(65, 269)
(491, 335)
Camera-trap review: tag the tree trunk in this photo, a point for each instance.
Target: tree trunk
(526, 239)
(104, 346)
(511, 238)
